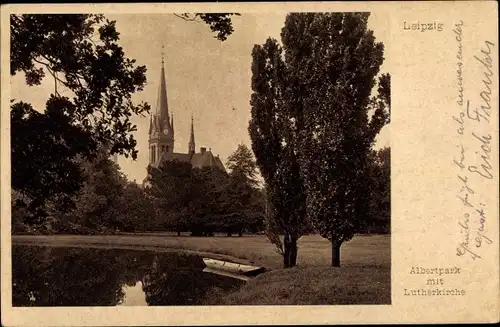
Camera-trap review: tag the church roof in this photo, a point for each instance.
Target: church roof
(197, 160)
(183, 157)
(206, 159)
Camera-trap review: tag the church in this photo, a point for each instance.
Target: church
(162, 136)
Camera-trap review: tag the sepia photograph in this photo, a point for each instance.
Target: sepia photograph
(200, 159)
(194, 164)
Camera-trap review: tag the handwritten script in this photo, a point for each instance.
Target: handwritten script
(473, 163)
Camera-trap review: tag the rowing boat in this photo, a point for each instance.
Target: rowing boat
(231, 267)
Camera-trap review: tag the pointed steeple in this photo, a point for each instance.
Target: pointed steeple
(150, 124)
(162, 104)
(192, 145)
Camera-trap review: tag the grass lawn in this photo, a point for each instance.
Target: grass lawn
(363, 278)
(312, 286)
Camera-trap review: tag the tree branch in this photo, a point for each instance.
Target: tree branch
(186, 18)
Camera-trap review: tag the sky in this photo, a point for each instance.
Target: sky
(206, 78)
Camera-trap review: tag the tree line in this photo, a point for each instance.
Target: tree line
(207, 200)
(180, 198)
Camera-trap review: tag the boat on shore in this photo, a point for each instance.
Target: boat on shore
(232, 268)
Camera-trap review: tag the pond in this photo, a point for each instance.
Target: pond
(59, 276)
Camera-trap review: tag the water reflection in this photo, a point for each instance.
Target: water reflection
(45, 276)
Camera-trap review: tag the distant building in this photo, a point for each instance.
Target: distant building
(162, 140)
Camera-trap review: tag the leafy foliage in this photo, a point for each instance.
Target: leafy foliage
(173, 185)
(378, 217)
(95, 202)
(135, 210)
(103, 187)
(81, 54)
(241, 163)
(218, 22)
(43, 164)
(204, 200)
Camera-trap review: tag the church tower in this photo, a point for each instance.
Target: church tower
(161, 137)
(161, 131)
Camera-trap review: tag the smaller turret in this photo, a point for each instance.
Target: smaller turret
(192, 145)
(172, 123)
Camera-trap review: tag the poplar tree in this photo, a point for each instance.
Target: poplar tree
(335, 62)
(273, 134)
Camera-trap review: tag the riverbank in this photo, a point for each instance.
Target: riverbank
(363, 278)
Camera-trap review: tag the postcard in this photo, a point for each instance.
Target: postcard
(249, 163)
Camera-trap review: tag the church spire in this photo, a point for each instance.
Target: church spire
(162, 104)
(192, 145)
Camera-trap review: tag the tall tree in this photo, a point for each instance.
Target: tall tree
(135, 210)
(173, 185)
(45, 166)
(241, 162)
(273, 129)
(81, 54)
(244, 199)
(101, 192)
(242, 205)
(205, 209)
(335, 59)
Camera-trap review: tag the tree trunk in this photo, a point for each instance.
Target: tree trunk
(336, 253)
(288, 251)
(178, 233)
(293, 251)
(286, 257)
(240, 233)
